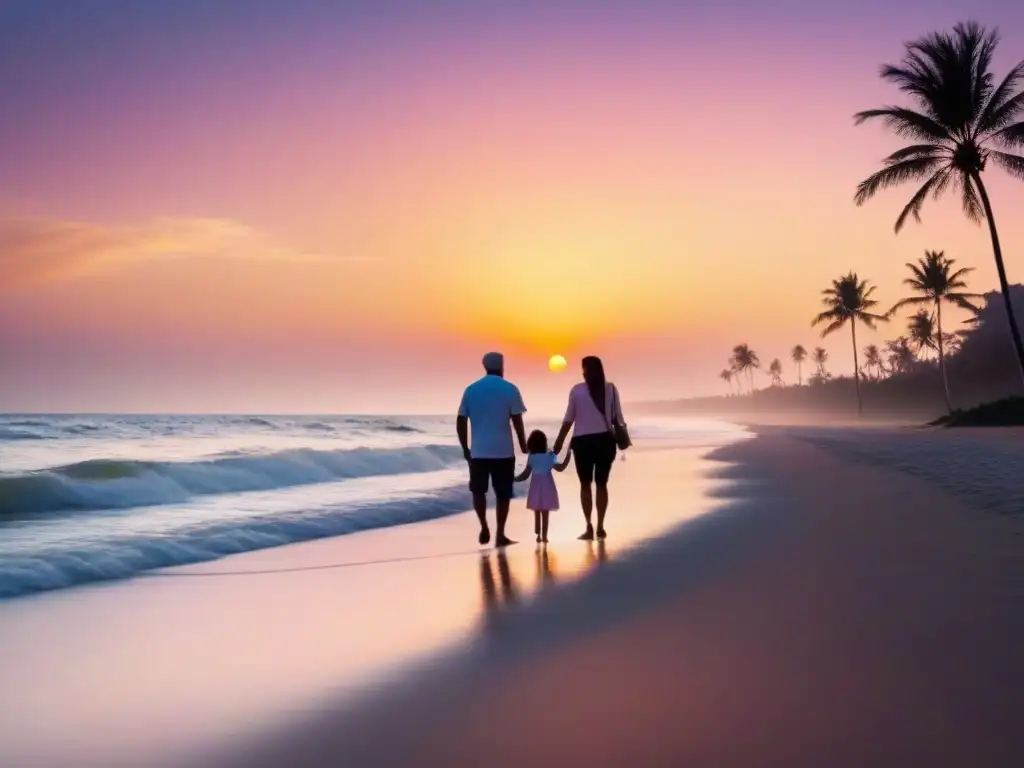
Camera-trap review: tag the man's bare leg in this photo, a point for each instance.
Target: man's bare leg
(500, 539)
(480, 507)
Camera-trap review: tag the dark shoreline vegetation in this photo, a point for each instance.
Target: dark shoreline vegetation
(903, 384)
(962, 122)
(1002, 413)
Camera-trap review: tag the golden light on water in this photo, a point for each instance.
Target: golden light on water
(557, 363)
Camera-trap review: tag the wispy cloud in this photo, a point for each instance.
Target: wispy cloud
(42, 250)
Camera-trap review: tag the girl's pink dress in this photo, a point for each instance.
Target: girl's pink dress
(543, 495)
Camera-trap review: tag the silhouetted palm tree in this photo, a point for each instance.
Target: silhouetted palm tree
(921, 330)
(726, 376)
(935, 282)
(775, 371)
(819, 357)
(873, 360)
(849, 301)
(964, 121)
(745, 359)
(798, 355)
(953, 342)
(899, 355)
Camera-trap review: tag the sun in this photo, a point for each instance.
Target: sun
(557, 363)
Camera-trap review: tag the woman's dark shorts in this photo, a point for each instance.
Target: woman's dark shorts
(594, 456)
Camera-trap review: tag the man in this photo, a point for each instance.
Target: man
(491, 405)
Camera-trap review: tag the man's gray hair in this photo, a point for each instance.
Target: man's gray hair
(494, 362)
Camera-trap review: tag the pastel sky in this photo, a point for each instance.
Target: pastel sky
(291, 206)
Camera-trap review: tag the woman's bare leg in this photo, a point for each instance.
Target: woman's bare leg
(544, 526)
(602, 508)
(587, 502)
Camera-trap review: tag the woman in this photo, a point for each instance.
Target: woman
(594, 406)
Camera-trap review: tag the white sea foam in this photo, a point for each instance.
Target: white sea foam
(117, 484)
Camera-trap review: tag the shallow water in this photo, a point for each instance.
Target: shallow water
(90, 498)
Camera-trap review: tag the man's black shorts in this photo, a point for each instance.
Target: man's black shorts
(500, 473)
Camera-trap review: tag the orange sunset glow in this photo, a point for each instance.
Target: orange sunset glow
(409, 199)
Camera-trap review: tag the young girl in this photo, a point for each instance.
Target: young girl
(543, 495)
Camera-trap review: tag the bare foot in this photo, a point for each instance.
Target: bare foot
(485, 536)
(503, 541)
(588, 535)
(601, 534)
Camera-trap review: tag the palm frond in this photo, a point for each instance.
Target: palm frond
(1011, 136)
(964, 301)
(913, 208)
(978, 46)
(917, 151)
(906, 123)
(833, 327)
(910, 301)
(969, 199)
(869, 318)
(1012, 164)
(893, 175)
(946, 175)
(829, 316)
(916, 269)
(956, 278)
(1004, 104)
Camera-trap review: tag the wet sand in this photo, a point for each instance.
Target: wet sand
(835, 613)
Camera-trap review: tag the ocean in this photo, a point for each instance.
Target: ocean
(86, 498)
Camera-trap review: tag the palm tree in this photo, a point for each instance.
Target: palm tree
(900, 355)
(849, 300)
(726, 376)
(819, 357)
(921, 330)
(799, 354)
(775, 371)
(953, 343)
(934, 281)
(745, 359)
(964, 120)
(873, 360)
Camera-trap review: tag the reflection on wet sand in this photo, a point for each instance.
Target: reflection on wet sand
(597, 553)
(546, 567)
(505, 577)
(493, 597)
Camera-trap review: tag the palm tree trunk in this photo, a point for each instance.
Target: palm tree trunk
(942, 356)
(1004, 285)
(856, 364)
(799, 374)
